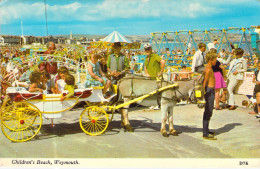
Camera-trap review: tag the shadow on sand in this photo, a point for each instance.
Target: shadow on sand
(115, 127)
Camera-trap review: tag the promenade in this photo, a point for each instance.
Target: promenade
(237, 132)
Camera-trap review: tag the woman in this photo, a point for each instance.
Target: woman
(95, 76)
(235, 73)
(219, 80)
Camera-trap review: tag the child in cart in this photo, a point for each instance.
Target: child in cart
(46, 84)
(36, 79)
(70, 84)
(60, 82)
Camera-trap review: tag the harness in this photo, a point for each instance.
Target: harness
(159, 84)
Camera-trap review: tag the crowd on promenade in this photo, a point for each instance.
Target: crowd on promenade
(105, 67)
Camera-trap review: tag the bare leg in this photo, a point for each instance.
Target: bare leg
(217, 97)
(223, 97)
(258, 101)
(106, 86)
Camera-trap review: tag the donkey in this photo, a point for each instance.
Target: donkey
(133, 86)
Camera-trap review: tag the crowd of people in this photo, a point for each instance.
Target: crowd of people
(105, 67)
(212, 66)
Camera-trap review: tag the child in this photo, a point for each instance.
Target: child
(70, 82)
(60, 82)
(46, 85)
(184, 73)
(209, 85)
(35, 79)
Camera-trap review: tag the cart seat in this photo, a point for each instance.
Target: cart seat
(21, 93)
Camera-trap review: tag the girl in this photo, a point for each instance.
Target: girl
(35, 79)
(60, 83)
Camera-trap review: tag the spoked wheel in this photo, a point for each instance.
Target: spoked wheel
(93, 120)
(21, 121)
(6, 102)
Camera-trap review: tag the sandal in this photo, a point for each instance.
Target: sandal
(218, 108)
(232, 108)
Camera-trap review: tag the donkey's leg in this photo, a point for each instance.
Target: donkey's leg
(171, 128)
(124, 117)
(164, 112)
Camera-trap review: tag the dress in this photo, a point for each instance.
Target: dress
(91, 82)
(219, 80)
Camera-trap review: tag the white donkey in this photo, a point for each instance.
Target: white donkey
(133, 86)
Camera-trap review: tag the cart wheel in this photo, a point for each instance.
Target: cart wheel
(21, 121)
(93, 120)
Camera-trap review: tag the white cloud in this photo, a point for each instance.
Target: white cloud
(111, 9)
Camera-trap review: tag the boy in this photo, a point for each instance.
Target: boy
(185, 74)
(209, 86)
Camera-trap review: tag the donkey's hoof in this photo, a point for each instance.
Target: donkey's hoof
(164, 133)
(128, 128)
(174, 133)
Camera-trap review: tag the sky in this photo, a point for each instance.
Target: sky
(129, 17)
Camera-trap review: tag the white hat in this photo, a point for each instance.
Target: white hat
(147, 45)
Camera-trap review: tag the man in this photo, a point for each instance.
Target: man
(117, 63)
(199, 59)
(212, 45)
(209, 86)
(154, 65)
(50, 66)
(51, 48)
(235, 73)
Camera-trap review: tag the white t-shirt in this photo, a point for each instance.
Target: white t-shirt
(61, 84)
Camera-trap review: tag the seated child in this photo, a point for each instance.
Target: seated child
(95, 76)
(185, 74)
(35, 79)
(60, 83)
(46, 84)
(70, 82)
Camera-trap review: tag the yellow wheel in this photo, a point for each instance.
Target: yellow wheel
(6, 102)
(93, 120)
(21, 121)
